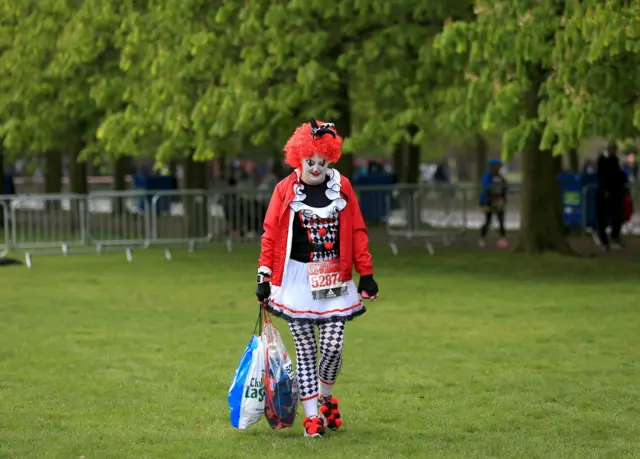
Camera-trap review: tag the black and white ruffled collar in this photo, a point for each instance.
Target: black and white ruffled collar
(333, 193)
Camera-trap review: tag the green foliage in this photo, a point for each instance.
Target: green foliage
(61, 59)
(594, 89)
(301, 59)
(562, 70)
(179, 77)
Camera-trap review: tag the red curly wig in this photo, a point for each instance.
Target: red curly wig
(302, 144)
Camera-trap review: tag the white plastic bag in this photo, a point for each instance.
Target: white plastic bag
(247, 394)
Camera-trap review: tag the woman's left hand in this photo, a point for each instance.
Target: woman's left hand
(367, 287)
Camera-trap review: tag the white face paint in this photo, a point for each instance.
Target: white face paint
(314, 169)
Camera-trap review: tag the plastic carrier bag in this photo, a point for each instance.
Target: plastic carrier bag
(247, 394)
(281, 382)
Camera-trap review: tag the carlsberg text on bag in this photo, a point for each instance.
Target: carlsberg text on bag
(247, 394)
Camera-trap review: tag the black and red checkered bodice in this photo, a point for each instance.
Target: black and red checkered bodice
(315, 228)
(322, 233)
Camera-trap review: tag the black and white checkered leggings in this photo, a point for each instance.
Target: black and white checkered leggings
(308, 372)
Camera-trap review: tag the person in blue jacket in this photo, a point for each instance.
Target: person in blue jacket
(493, 198)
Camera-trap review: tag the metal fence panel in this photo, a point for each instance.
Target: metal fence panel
(49, 223)
(633, 226)
(66, 223)
(240, 214)
(181, 217)
(428, 212)
(119, 219)
(4, 229)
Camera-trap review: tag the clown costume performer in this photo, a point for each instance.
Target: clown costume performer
(314, 236)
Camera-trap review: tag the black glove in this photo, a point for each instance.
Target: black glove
(263, 290)
(368, 286)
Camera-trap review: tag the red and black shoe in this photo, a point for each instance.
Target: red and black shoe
(330, 413)
(313, 427)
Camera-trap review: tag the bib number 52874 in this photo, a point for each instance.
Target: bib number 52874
(325, 280)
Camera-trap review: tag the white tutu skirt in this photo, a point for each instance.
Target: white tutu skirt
(293, 300)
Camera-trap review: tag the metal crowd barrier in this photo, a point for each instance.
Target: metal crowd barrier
(136, 220)
(133, 220)
(426, 213)
(4, 228)
(48, 224)
(240, 215)
(179, 218)
(117, 219)
(633, 226)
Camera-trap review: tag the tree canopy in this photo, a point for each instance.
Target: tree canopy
(560, 70)
(550, 74)
(175, 76)
(194, 79)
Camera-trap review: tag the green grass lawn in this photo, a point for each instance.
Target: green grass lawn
(465, 355)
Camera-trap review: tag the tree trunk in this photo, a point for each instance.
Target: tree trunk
(94, 169)
(574, 161)
(411, 197)
(541, 225)
(222, 167)
(398, 163)
(343, 125)
(173, 172)
(346, 166)
(482, 156)
(1, 172)
(78, 174)
(2, 211)
(278, 165)
(413, 158)
(195, 206)
(53, 173)
(121, 170)
(78, 184)
(53, 177)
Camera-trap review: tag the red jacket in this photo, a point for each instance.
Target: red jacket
(354, 239)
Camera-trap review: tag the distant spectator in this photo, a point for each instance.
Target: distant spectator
(243, 214)
(589, 167)
(610, 196)
(267, 185)
(493, 199)
(442, 174)
(631, 167)
(375, 168)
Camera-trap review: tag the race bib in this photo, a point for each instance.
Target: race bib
(324, 279)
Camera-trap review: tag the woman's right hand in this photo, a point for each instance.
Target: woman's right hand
(263, 289)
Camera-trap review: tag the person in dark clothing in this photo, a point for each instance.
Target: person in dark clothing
(493, 198)
(612, 188)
